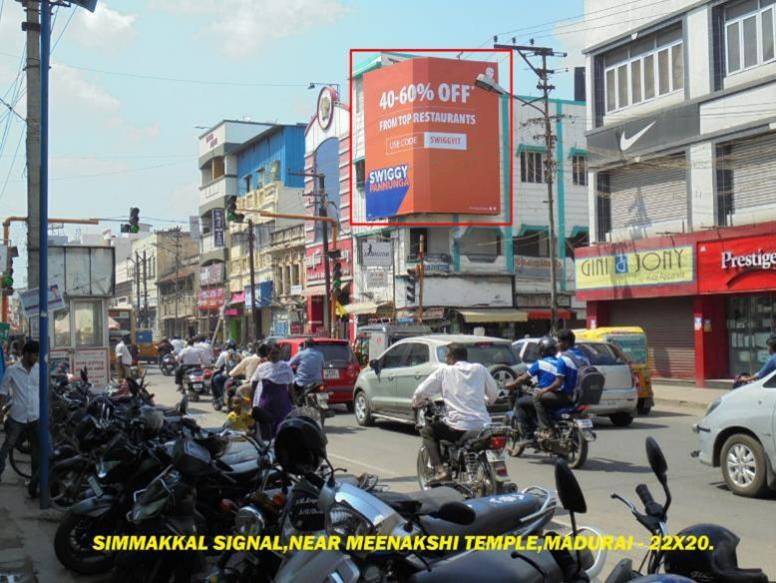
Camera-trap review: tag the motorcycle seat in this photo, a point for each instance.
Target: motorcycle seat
(420, 502)
(497, 514)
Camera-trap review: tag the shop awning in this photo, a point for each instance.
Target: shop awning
(361, 308)
(486, 315)
(563, 314)
(237, 298)
(112, 324)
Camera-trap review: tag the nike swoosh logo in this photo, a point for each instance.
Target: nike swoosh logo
(626, 143)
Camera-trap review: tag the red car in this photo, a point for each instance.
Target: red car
(340, 366)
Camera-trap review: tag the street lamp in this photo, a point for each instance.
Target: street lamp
(314, 84)
(43, 287)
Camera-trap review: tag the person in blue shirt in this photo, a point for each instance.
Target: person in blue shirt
(550, 374)
(308, 364)
(573, 357)
(767, 368)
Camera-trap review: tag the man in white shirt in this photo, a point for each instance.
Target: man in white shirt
(20, 383)
(123, 358)
(189, 357)
(177, 344)
(466, 388)
(206, 349)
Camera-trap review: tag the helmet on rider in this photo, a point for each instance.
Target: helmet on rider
(715, 565)
(300, 446)
(548, 346)
(231, 344)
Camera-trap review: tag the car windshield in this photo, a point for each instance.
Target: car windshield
(485, 353)
(633, 345)
(337, 354)
(602, 354)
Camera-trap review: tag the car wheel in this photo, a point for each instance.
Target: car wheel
(621, 419)
(502, 374)
(743, 465)
(644, 406)
(362, 410)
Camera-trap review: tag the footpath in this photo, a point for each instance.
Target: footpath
(685, 396)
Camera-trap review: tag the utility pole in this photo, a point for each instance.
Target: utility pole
(177, 269)
(255, 314)
(421, 274)
(31, 26)
(544, 86)
(138, 320)
(146, 319)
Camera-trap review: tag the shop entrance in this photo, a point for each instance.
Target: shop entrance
(750, 322)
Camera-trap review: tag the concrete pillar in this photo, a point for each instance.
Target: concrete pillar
(597, 314)
(702, 186)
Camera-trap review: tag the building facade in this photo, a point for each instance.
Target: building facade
(682, 212)
(287, 248)
(495, 279)
(269, 171)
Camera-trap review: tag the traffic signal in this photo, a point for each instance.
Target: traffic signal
(134, 221)
(412, 280)
(336, 282)
(7, 281)
(231, 210)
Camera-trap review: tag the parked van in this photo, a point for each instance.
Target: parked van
(633, 342)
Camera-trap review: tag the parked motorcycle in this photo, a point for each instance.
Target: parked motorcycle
(573, 428)
(476, 462)
(717, 563)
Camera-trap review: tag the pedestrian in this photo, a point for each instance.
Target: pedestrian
(271, 401)
(123, 357)
(20, 383)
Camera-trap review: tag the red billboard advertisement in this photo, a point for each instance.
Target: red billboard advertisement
(733, 265)
(431, 139)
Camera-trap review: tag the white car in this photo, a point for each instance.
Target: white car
(620, 396)
(738, 434)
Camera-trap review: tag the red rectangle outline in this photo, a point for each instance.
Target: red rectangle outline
(510, 221)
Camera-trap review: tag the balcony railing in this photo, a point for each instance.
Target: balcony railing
(293, 234)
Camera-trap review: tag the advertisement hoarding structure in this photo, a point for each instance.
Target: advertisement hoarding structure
(425, 130)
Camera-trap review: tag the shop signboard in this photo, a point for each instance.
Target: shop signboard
(29, 300)
(663, 266)
(376, 253)
(314, 265)
(376, 278)
(219, 225)
(211, 274)
(432, 139)
(210, 300)
(735, 265)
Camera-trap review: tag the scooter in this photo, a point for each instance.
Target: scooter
(196, 382)
(167, 364)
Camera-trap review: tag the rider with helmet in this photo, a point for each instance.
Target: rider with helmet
(227, 360)
(552, 393)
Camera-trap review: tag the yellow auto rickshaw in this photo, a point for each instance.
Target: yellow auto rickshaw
(632, 341)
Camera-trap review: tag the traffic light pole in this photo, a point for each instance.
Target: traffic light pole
(421, 273)
(327, 299)
(254, 311)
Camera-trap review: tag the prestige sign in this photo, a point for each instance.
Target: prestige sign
(432, 139)
(638, 268)
(745, 264)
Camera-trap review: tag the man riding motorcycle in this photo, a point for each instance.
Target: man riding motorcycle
(466, 388)
(767, 368)
(554, 392)
(226, 361)
(188, 358)
(308, 364)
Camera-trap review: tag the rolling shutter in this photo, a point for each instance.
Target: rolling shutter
(668, 323)
(650, 192)
(753, 162)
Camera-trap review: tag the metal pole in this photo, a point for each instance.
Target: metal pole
(326, 272)
(32, 27)
(550, 176)
(393, 274)
(43, 421)
(421, 274)
(146, 319)
(254, 312)
(177, 267)
(137, 289)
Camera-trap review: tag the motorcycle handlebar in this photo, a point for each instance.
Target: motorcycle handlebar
(644, 495)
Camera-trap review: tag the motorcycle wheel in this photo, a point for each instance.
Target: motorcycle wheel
(577, 453)
(72, 545)
(424, 467)
(67, 488)
(515, 436)
(21, 462)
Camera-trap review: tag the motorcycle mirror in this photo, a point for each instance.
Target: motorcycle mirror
(456, 512)
(374, 364)
(657, 460)
(569, 492)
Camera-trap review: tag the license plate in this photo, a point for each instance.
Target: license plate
(584, 423)
(196, 385)
(495, 456)
(94, 485)
(331, 373)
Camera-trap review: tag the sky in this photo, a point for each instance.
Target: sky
(133, 84)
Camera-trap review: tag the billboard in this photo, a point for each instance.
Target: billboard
(736, 265)
(431, 139)
(636, 268)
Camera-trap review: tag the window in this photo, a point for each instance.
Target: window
(483, 245)
(724, 173)
(531, 167)
(603, 207)
(248, 183)
(394, 357)
(485, 353)
(579, 170)
(646, 68)
(417, 354)
(415, 235)
(573, 243)
(749, 34)
(62, 329)
(532, 243)
(218, 168)
(360, 167)
(87, 316)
